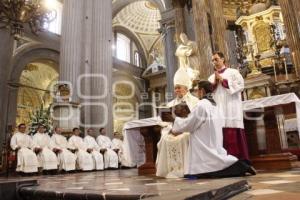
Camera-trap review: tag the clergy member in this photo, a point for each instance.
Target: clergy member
(172, 150)
(206, 156)
(22, 143)
(111, 159)
(59, 144)
(46, 157)
(118, 144)
(228, 84)
(85, 160)
(94, 149)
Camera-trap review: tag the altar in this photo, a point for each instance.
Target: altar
(140, 144)
(268, 123)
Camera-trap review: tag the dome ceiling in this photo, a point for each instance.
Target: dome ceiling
(140, 17)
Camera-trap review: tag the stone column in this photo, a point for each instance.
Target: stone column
(101, 64)
(71, 48)
(296, 6)
(292, 32)
(202, 37)
(86, 59)
(219, 25)
(168, 32)
(179, 17)
(6, 52)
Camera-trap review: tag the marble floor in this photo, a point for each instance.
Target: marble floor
(283, 185)
(126, 184)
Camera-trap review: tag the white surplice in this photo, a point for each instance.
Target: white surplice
(172, 150)
(47, 158)
(110, 156)
(97, 156)
(66, 159)
(205, 152)
(85, 160)
(229, 100)
(27, 160)
(118, 144)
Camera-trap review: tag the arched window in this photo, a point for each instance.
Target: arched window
(123, 47)
(55, 25)
(137, 60)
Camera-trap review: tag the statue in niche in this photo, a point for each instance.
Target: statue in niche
(155, 56)
(157, 63)
(187, 53)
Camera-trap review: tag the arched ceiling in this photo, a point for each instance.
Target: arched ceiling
(118, 5)
(39, 74)
(142, 19)
(35, 80)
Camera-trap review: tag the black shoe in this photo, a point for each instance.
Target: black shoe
(251, 170)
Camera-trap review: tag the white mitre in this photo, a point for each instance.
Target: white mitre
(181, 77)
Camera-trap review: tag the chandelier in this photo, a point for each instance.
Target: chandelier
(15, 14)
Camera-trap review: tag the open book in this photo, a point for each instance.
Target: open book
(179, 110)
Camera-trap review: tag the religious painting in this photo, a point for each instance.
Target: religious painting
(263, 36)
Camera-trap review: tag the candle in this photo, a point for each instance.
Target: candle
(295, 63)
(274, 68)
(285, 68)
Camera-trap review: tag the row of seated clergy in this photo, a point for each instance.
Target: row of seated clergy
(39, 152)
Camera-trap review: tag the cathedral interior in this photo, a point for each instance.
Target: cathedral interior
(113, 61)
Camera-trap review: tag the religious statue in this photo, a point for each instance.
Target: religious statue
(63, 93)
(155, 56)
(187, 53)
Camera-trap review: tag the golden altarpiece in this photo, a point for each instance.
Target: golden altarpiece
(272, 72)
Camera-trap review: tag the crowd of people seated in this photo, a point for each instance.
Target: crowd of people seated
(42, 153)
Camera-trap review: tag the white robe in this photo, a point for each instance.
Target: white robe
(110, 156)
(85, 160)
(229, 101)
(97, 156)
(118, 144)
(172, 150)
(47, 158)
(27, 160)
(66, 159)
(205, 152)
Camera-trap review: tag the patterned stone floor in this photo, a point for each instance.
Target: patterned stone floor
(284, 185)
(118, 184)
(126, 184)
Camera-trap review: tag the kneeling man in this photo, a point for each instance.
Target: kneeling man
(206, 156)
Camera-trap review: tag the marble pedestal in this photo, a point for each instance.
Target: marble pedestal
(66, 116)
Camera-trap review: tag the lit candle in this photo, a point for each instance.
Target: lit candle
(295, 63)
(285, 68)
(274, 68)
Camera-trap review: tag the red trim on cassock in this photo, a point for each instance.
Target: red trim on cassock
(225, 83)
(235, 142)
